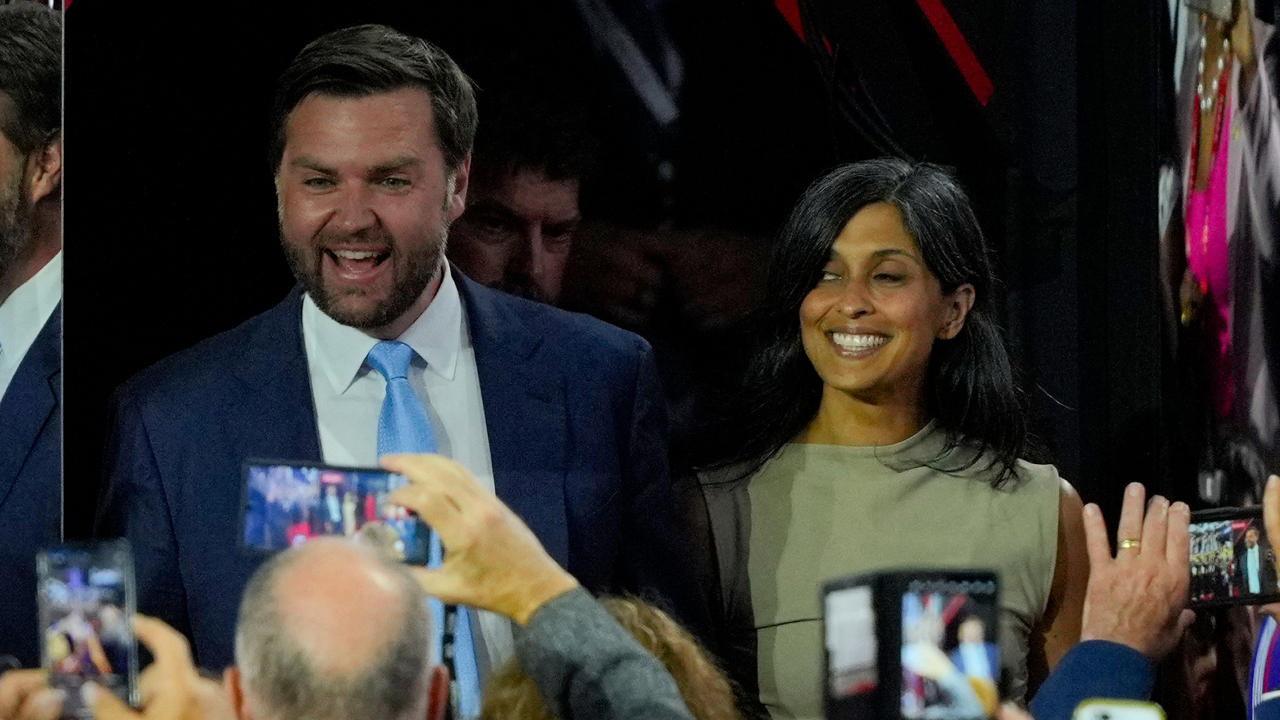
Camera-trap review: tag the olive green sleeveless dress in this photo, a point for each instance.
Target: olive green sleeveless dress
(818, 512)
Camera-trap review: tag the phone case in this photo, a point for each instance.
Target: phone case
(87, 601)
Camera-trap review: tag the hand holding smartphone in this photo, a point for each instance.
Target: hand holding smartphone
(87, 603)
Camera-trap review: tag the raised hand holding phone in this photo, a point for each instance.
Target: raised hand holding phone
(493, 560)
(171, 688)
(1138, 597)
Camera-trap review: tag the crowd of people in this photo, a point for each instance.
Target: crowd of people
(878, 424)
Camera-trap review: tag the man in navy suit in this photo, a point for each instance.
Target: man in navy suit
(30, 313)
(560, 413)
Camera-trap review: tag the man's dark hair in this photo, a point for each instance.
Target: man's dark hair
(371, 59)
(529, 125)
(30, 75)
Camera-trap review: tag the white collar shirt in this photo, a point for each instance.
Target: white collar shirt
(24, 314)
(348, 396)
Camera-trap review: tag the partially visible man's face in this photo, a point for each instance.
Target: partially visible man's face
(515, 237)
(365, 202)
(15, 206)
(1251, 538)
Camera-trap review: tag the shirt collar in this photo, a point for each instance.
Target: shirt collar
(436, 336)
(26, 310)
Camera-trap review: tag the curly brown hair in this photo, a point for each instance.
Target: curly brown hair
(511, 694)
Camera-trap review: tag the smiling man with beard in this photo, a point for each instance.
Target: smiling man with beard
(30, 312)
(559, 414)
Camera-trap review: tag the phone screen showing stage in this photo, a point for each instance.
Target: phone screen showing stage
(1232, 560)
(950, 650)
(287, 504)
(86, 596)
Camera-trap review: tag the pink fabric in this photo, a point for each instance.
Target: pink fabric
(1208, 259)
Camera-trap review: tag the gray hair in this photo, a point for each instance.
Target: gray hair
(279, 675)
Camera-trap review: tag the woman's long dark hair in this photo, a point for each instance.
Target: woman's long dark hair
(972, 391)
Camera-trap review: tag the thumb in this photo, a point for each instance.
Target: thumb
(440, 584)
(105, 705)
(1184, 621)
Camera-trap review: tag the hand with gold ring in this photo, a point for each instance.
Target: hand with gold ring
(1139, 597)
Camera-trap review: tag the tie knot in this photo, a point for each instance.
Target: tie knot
(390, 358)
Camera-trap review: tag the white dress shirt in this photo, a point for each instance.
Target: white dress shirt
(348, 395)
(23, 315)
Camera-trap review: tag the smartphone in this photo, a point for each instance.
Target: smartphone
(1232, 559)
(912, 644)
(87, 602)
(1097, 709)
(286, 504)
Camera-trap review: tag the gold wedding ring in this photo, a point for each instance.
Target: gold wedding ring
(1130, 544)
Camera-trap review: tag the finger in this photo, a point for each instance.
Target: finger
(1095, 534)
(44, 704)
(441, 584)
(1177, 549)
(1130, 527)
(1271, 507)
(435, 508)
(437, 471)
(167, 646)
(106, 706)
(1155, 528)
(1185, 620)
(16, 686)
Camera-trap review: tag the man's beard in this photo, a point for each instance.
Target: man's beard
(15, 221)
(413, 273)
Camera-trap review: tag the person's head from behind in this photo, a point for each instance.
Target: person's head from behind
(30, 136)
(533, 151)
(371, 144)
(330, 631)
(512, 695)
(881, 292)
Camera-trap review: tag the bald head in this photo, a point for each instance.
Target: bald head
(330, 631)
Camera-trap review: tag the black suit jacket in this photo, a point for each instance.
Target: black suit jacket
(576, 431)
(1266, 573)
(30, 486)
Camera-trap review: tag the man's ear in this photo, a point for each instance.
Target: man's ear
(458, 200)
(958, 305)
(231, 683)
(438, 693)
(44, 168)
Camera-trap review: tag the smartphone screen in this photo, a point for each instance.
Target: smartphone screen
(288, 504)
(86, 598)
(950, 649)
(1232, 560)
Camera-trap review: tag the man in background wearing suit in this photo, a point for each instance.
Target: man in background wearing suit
(559, 414)
(1255, 566)
(30, 312)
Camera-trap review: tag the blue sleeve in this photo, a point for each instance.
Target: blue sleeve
(1093, 669)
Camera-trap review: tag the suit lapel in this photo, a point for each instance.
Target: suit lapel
(279, 412)
(31, 400)
(524, 410)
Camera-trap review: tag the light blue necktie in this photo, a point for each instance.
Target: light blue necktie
(404, 427)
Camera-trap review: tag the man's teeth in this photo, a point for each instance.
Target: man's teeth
(858, 342)
(355, 254)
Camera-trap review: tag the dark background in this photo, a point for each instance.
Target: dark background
(171, 227)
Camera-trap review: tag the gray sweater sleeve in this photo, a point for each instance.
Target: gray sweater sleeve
(586, 666)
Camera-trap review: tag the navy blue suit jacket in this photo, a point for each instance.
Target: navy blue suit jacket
(576, 432)
(30, 486)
